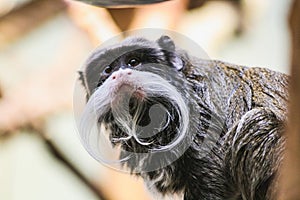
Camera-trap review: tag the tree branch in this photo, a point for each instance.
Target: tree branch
(290, 175)
(60, 157)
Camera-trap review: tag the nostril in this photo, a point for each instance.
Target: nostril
(128, 71)
(114, 75)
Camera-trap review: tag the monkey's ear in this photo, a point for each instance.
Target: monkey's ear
(81, 79)
(166, 43)
(83, 82)
(177, 62)
(168, 46)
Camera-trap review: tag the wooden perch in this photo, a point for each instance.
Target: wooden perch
(63, 160)
(290, 176)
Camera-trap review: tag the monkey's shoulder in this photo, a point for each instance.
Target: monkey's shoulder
(236, 72)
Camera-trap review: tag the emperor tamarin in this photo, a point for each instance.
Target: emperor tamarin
(205, 129)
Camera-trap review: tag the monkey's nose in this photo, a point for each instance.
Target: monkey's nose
(121, 72)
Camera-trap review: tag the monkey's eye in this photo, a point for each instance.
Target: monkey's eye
(108, 70)
(133, 62)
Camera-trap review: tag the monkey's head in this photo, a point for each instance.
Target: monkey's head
(137, 98)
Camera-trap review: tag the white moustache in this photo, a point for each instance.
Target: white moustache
(114, 95)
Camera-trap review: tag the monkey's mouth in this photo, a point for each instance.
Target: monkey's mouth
(130, 99)
(133, 98)
(128, 90)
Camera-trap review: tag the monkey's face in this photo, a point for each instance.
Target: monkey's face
(136, 98)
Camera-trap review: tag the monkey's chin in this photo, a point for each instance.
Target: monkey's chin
(112, 104)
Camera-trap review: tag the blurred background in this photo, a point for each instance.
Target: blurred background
(44, 42)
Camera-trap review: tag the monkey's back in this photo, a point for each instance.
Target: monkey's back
(253, 104)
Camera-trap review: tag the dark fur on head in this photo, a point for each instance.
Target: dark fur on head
(228, 120)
